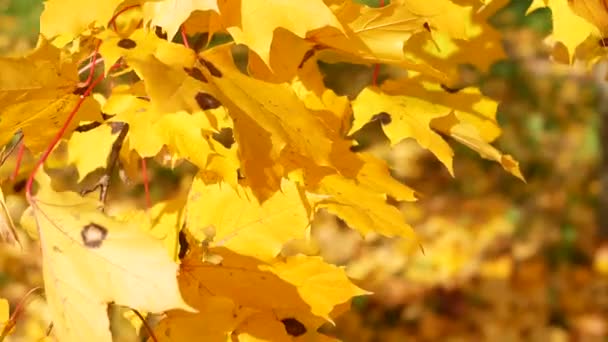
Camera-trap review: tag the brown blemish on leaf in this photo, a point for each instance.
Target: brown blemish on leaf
(196, 73)
(224, 137)
(293, 327)
(93, 235)
(450, 90)
(158, 31)
(212, 69)
(183, 245)
(80, 90)
(384, 118)
(127, 43)
(207, 101)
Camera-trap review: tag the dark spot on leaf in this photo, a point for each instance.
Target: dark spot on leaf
(127, 43)
(293, 327)
(106, 116)
(158, 31)
(87, 127)
(603, 42)
(80, 90)
(144, 98)
(450, 90)
(224, 137)
(239, 174)
(306, 57)
(196, 73)
(384, 118)
(206, 101)
(93, 235)
(183, 245)
(212, 69)
(427, 27)
(18, 186)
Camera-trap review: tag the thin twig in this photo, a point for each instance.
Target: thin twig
(12, 321)
(89, 65)
(145, 323)
(104, 182)
(11, 149)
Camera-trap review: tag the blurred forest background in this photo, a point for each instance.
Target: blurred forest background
(502, 260)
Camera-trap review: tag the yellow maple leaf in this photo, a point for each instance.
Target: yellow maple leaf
(75, 16)
(412, 108)
(379, 34)
(569, 27)
(471, 137)
(241, 224)
(170, 14)
(240, 288)
(140, 45)
(253, 22)
(482, 47)
(404, 117)
(163, 221)
(90, 260)
(268, 119)
(362, 208)
(79, 149)
(37, 92)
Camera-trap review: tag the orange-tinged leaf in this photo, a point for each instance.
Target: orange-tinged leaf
(240, 288)
(275, 107)
(90, 260)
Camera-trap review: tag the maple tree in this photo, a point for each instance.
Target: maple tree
(121, 84)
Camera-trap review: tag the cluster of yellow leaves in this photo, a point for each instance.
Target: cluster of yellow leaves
(270, 141)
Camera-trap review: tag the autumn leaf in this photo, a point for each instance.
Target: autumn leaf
(253, 22)
(239, 223)
(79, 149)
(77, 16)
(170, 14)
(130, 267)
(37, 92)
(404, 117)
(300, 291)
(569, 27)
